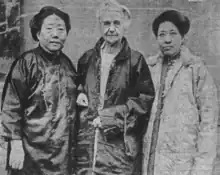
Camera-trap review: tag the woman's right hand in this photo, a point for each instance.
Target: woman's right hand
(16, 159)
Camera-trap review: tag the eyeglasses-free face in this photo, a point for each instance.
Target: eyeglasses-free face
(169, 39)
(53, 34)
(112, 26)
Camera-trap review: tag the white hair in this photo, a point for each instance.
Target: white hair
(107, 5)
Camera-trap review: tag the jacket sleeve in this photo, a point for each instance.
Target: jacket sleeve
(207, 102)
(13, 100)
(141, 100)
(139, 106)
(82, 67)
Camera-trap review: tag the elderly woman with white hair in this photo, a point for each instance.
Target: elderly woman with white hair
(117, 93)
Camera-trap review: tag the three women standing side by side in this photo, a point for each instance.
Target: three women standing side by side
(181, 137)
(39, 102)
(38, 119)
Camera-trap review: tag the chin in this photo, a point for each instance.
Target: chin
(112, 42)
(167, 53)
(55, 49)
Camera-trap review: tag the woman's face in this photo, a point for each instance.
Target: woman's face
(111, 26)
(169, 39)
(52, 35)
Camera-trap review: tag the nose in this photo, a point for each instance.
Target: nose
(112, 28)
(168, 38)
(54, 32)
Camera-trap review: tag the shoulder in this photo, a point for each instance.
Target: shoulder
(152, 60)
(85, 56)
(188, 58)
(26, 60)
(196, 62)
(199, 67)
(136, 54)
(68, 62)
(137, 57)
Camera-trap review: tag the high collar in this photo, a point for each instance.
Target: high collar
(123, 54)
(171, 58)
(51, 57)
(185, 56)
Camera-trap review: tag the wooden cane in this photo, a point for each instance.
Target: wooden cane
(97, 131)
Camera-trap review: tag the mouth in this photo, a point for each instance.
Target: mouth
(111, 35)
(55, 43)
(166, 48)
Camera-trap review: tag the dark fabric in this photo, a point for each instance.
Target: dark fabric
(129, 94)
(40, 109)
(179, 20)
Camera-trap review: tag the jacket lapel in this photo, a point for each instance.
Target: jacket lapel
(155, 63)
(172, 73)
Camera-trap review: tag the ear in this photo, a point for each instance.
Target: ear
(184, 39)
(38, 35)
(98, 25)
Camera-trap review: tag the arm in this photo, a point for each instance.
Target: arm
(141, 102)
(13, 99)
(139, 112)
(13, 102)
(207, 102)
(82, 67)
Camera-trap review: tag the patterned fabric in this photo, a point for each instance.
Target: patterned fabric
(187, 135)
(39, 108)
(156, 123)
(129, 95)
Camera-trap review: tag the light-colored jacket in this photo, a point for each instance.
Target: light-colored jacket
(187, 135)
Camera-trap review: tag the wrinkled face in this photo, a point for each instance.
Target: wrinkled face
(169, 39)
(52, 35)
(111, 26)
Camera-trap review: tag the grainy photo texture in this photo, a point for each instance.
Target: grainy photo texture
(112, 87)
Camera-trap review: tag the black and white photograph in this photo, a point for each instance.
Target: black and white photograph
(109, 87)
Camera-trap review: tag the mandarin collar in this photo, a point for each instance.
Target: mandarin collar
(51, 57)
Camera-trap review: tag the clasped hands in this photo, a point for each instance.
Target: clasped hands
(106, 117)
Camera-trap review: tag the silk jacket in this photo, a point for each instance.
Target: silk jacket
(39, 108)
(130, 92)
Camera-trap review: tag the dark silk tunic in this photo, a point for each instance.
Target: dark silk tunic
(39, 108)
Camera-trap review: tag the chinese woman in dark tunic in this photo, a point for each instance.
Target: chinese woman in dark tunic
(38, 108)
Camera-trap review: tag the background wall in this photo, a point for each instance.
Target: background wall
(203, 37)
